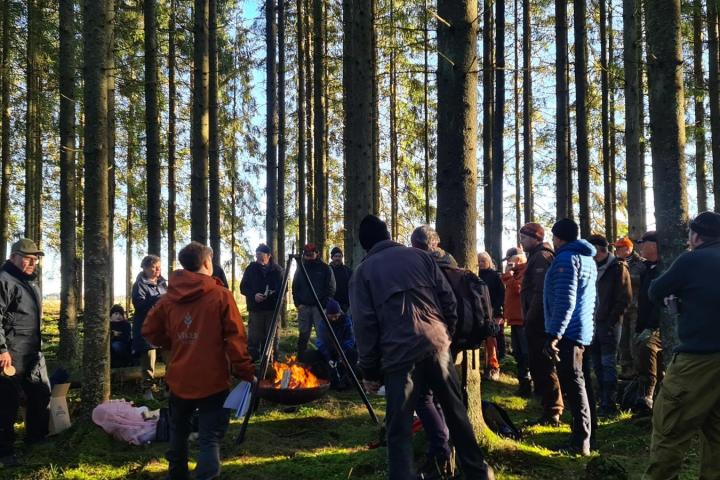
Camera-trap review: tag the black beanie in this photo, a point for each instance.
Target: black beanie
(707, 223)
(372, 231)
(336, 250)
(565, 229)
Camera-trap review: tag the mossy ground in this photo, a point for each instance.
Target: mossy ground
(328, 439)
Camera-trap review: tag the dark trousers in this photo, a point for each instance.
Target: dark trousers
(213, 422)
(604, 359)
(520, 351)
(120, 354)
(259, 324)
(501, 346)
(544, 374)
(433, 421)
(649, 367)
(35, 395)
(572, 378)
(402, 389)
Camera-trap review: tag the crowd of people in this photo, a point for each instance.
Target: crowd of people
(576, 309)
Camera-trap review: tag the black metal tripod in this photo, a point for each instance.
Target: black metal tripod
(267, 353)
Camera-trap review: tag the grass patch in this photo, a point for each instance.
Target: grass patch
(327, 440)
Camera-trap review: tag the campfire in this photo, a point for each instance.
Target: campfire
(292, 384)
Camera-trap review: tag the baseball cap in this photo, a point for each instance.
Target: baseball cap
(25, 246)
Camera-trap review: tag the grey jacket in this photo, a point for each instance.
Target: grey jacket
(403, 308)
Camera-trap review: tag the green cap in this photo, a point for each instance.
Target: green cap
(25, 246)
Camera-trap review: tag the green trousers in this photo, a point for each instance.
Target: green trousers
(688, 403)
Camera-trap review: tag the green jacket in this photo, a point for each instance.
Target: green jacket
(693, 279)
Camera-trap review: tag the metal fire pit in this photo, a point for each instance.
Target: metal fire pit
(292, 396)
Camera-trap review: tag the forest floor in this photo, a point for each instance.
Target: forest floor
(328, 439)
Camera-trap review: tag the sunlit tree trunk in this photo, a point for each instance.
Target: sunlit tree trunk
(200, 124)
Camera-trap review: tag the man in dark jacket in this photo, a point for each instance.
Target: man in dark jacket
(625, 250)
(542, 369)
(404, 313)
(341, 324)
(689, 398)
(20, 348)
(569, 301)
(323, 281)
(648, 343)
(614, 293)
(261, 284)
(342, 274)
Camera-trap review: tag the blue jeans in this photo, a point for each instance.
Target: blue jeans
(402, 388)
(433, 422)
(213, 423)
(572, 381)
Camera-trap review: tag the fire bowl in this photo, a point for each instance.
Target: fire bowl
(292, 396)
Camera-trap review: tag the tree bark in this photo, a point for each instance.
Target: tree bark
(528, 110)
(5, 139)
(271, 125)
(516, 110)
(562, 126)
(393, 129)
(112, 171)
(699, 94)
(634, 163)
(302, 159)
(96, 358)
(487, 127)
(320, 196)
(581, 114)
(33, 154)
(498, 162)
(667, 137)
(714, 91)
(200, 124)
(282, 141)
(375, 113)
(152, 128)
(69, 338)
(172, 92)
(214, 142)
(309, 95)
(358, 133)
(129, 195)
(613, 126)
(605, 121)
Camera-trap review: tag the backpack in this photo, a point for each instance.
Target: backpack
(498, 420)
(474, 310)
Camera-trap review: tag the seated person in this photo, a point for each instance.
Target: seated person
(120, 341)
(342, 327)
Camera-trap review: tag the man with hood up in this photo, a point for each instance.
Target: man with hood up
(404, 313)
(569, 303)
(200, 324)
(614, 294)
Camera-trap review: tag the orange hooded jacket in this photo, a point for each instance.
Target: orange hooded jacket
(513, 282)
(200, 324)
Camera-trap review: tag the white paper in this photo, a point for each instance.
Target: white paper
(239, 399)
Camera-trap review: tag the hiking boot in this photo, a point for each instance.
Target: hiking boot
(547, 421)
(10, 461)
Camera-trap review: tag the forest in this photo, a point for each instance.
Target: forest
(130, 127)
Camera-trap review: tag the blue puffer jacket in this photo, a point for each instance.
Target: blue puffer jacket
(570, 293)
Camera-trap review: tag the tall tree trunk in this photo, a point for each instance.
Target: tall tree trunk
(68, 349)
(516, 110)
(498, 163)
(309, 123)
(613, 129)
(172, 188)
(457, 141)
(714, 87)
(5, 140)
(487, 127)
(699, 90)
(528, 110)
(320, 215)
(33, 155)
(282, 143)
(605, 120)
(393, 129)
(200, 124)
(301, 159)
(96, 357)
(562, 126)
(271, 124)
(129, 195)
(426, 124)
(667, 137)
(375, 113)
(152, 128)
(634, 163)
(233, 177)
(112, 171)
(581, 114)
(214, 144)
(358, 133)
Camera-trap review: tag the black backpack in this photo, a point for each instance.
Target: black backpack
(474, 310)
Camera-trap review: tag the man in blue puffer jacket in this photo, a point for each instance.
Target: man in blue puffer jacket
(569, 303)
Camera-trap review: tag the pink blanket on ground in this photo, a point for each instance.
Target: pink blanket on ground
(124, 422)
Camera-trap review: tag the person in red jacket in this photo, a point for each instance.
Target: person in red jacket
(198, 322)
(512, 279)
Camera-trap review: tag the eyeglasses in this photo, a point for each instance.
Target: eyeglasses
(30, 260)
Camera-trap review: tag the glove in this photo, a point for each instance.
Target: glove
(550, 350)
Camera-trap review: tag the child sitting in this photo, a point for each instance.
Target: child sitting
(120, 341)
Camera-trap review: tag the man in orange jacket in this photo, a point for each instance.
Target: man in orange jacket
(512, 279)
(200, 324)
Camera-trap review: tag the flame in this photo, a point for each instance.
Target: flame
(300, 377)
